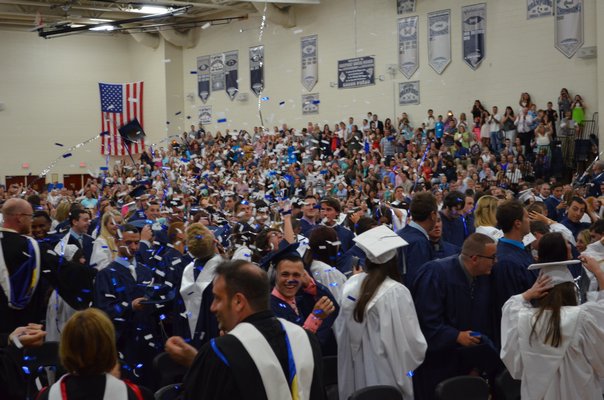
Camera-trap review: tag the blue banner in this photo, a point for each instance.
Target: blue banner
(474, 29)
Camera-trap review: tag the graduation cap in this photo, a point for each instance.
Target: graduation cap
(558, 271)
(159, 294)
(291, 250)
(132, 132)
(380, 244)
(138, 191)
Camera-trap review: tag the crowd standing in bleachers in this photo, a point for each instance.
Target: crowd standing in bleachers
(470, 200)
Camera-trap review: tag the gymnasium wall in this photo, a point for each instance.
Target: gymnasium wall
(49, 87)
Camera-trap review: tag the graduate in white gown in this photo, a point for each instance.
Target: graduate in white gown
(555, 348)
(378, 334)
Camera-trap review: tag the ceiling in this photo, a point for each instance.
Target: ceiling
(73, 16)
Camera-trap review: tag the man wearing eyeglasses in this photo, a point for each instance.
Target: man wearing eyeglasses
(452, 297)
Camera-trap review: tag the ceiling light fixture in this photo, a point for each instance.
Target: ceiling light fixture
(206, 25)
(151, 10)
(107, 28)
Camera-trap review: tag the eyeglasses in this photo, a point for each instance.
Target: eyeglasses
(492, 258)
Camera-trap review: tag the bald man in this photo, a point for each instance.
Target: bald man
(22, 280)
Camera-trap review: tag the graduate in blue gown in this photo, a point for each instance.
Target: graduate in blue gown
(298, 298)
(453, 301)
(455, 228)
(510, 275)
(424, 212)
(120, 292)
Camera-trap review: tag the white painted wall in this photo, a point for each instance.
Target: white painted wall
(50, 91)
(520, 57)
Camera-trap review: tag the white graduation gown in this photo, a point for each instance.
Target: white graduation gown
(330, 277)
(386, 346)
(570, 371)
(101, 254)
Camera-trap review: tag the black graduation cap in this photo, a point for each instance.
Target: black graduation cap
(132, 131)
(138, 191)
(159, 294)
(277, 257)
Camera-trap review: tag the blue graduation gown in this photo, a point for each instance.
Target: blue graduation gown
(444, 249)
(446, 304)
(115, 288)
(575, 228)
(306, 227)
(552, 212)
(454, 230)
(417, 253)
(345, 236)
(509, 277)
(305, 303)
(344, 263)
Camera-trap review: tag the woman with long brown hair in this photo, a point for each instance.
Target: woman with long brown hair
(555, 348)
(378, 334)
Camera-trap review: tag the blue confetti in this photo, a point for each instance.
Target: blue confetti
(58, 144)
(282, 305)
(178, 113)
(410, 374)
(333, 284)
(106, 133)
(66, 155)
(351, 298)
(221, 120)
(104, 168)
(282, 103)
(193, 72)
(26, 370)
(316, 101)
(188, 117)
(265, 98)
(162, 317)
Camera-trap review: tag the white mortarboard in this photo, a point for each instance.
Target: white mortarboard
(525, 195)
(557, 271)
(380, 244)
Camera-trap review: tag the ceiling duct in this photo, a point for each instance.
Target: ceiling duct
(146, 38)
(187, 39)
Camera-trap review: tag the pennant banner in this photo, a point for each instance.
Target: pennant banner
(408, 93)
(205, 115)
(539, 8)
(203, 78)
(257, 69)
(405, 6)
(231, 64)
(310, 103)
(408, 60)
(439, 40)
(217, 72)
(474, 23)
(310, 61)
(569, 26)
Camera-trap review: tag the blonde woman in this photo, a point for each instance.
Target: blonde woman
(104, 249)
(485, 217)
(61, 214)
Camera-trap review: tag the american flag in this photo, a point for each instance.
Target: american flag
(120, 103)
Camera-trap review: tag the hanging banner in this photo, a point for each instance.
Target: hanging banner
(408, 93)
(569, 26)
(310, 103)
(205, 115)
(539, 8)
(217, 72)
(310, 61)
(356, 72)
(439, 40)
(405, 6)
(203, 78)
(408, 60)
(257, 69)
(474, 29)
(231, 65)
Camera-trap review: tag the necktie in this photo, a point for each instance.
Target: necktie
(132, 269)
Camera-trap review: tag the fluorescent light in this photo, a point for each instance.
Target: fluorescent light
(150, 10)
(206, 25)
(100, 20)
(76, 25)
(107, 28)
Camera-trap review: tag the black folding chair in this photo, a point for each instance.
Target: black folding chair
(170, 392)
(330, 377)
(167, 371)
(463, 387)
(379, 392)
(506, 387)
(35, 359)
